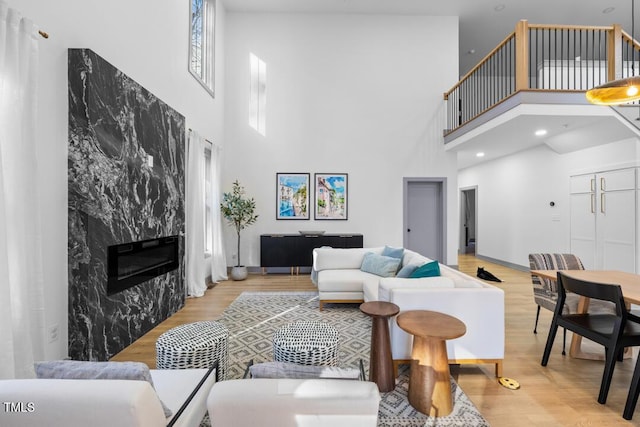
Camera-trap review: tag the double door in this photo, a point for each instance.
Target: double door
(604, 219)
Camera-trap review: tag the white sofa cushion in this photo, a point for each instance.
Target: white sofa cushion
(388, 283)
(336, 259)
(344, 280)
(81, 403)
(293, 403)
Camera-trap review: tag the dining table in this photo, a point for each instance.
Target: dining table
(628, 282)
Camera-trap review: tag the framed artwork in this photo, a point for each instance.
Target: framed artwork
(292, 196)
(331, 196)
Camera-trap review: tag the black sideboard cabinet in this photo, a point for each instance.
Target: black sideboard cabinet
(296, 250)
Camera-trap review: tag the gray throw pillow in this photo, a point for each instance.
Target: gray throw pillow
(406, 271)
(380, 265)
(292, 370)
(81, 370)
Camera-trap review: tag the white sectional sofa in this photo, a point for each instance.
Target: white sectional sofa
(337, 274)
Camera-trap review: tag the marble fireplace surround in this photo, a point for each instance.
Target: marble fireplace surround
(126, 183)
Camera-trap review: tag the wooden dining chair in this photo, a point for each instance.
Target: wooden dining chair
(614, 331)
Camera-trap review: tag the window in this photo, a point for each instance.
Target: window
(257, 96)
(202, 43)
(208, 202)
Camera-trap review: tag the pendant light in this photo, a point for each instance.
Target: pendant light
(619, 91)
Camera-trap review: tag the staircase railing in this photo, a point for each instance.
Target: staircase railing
(542, 58)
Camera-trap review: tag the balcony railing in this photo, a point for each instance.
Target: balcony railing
(542, 58)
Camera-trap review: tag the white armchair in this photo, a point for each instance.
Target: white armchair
(107, 403)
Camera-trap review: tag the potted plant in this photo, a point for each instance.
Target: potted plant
(239, 211)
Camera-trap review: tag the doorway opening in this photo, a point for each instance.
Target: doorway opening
(468, 220)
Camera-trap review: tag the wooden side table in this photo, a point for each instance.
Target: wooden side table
(380, 361)
(429, 383)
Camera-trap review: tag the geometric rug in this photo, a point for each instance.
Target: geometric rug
(254, 317)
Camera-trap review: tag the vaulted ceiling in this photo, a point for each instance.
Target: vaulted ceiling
(483, 24)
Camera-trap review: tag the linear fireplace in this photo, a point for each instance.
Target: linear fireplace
(137, 262)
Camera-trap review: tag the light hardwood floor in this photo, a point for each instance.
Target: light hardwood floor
(562, 394)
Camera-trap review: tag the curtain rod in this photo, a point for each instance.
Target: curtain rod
(43, 34)
(205, 139)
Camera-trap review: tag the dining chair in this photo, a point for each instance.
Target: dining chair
(614, 331)
(545, 292)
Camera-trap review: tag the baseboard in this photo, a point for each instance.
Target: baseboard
(503, 263)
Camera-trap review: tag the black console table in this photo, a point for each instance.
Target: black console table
(296, 250)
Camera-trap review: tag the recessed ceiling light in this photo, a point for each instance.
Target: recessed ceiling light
(499, 8)
(609, 9)
(480, 154)
(541, 132)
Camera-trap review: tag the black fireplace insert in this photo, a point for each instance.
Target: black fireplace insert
(132, 263)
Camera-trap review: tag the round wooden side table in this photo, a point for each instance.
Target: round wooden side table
(429, 383)
(380, 361)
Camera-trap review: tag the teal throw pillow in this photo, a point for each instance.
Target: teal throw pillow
(379, 265)
(430, 269)
(406, 271)
(393, 252)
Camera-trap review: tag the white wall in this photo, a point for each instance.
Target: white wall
(356, 94)
(147, 40)
(514, 192)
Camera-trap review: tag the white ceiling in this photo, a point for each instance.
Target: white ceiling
(569, 128)
(483, 24)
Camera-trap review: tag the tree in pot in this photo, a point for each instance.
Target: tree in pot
(239, 211)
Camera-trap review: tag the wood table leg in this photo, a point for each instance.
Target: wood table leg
(381, 368)
(429, 383)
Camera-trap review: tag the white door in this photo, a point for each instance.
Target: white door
(583, 227)
(603, 220)
(616, 222)
(424, 216)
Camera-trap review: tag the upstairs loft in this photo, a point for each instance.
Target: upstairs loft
(536, 79)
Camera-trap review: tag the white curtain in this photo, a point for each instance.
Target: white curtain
(218, 258)
(195, 274)
(21, 281)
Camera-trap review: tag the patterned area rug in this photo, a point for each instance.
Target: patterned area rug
(254, 317)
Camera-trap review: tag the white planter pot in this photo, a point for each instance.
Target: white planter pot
(239, 273)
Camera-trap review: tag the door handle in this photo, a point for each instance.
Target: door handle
(408, 230)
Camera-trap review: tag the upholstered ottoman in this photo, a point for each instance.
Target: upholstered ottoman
(306, 343)
(194, 345)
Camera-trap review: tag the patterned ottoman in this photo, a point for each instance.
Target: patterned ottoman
(306, 343)
(194, 345)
